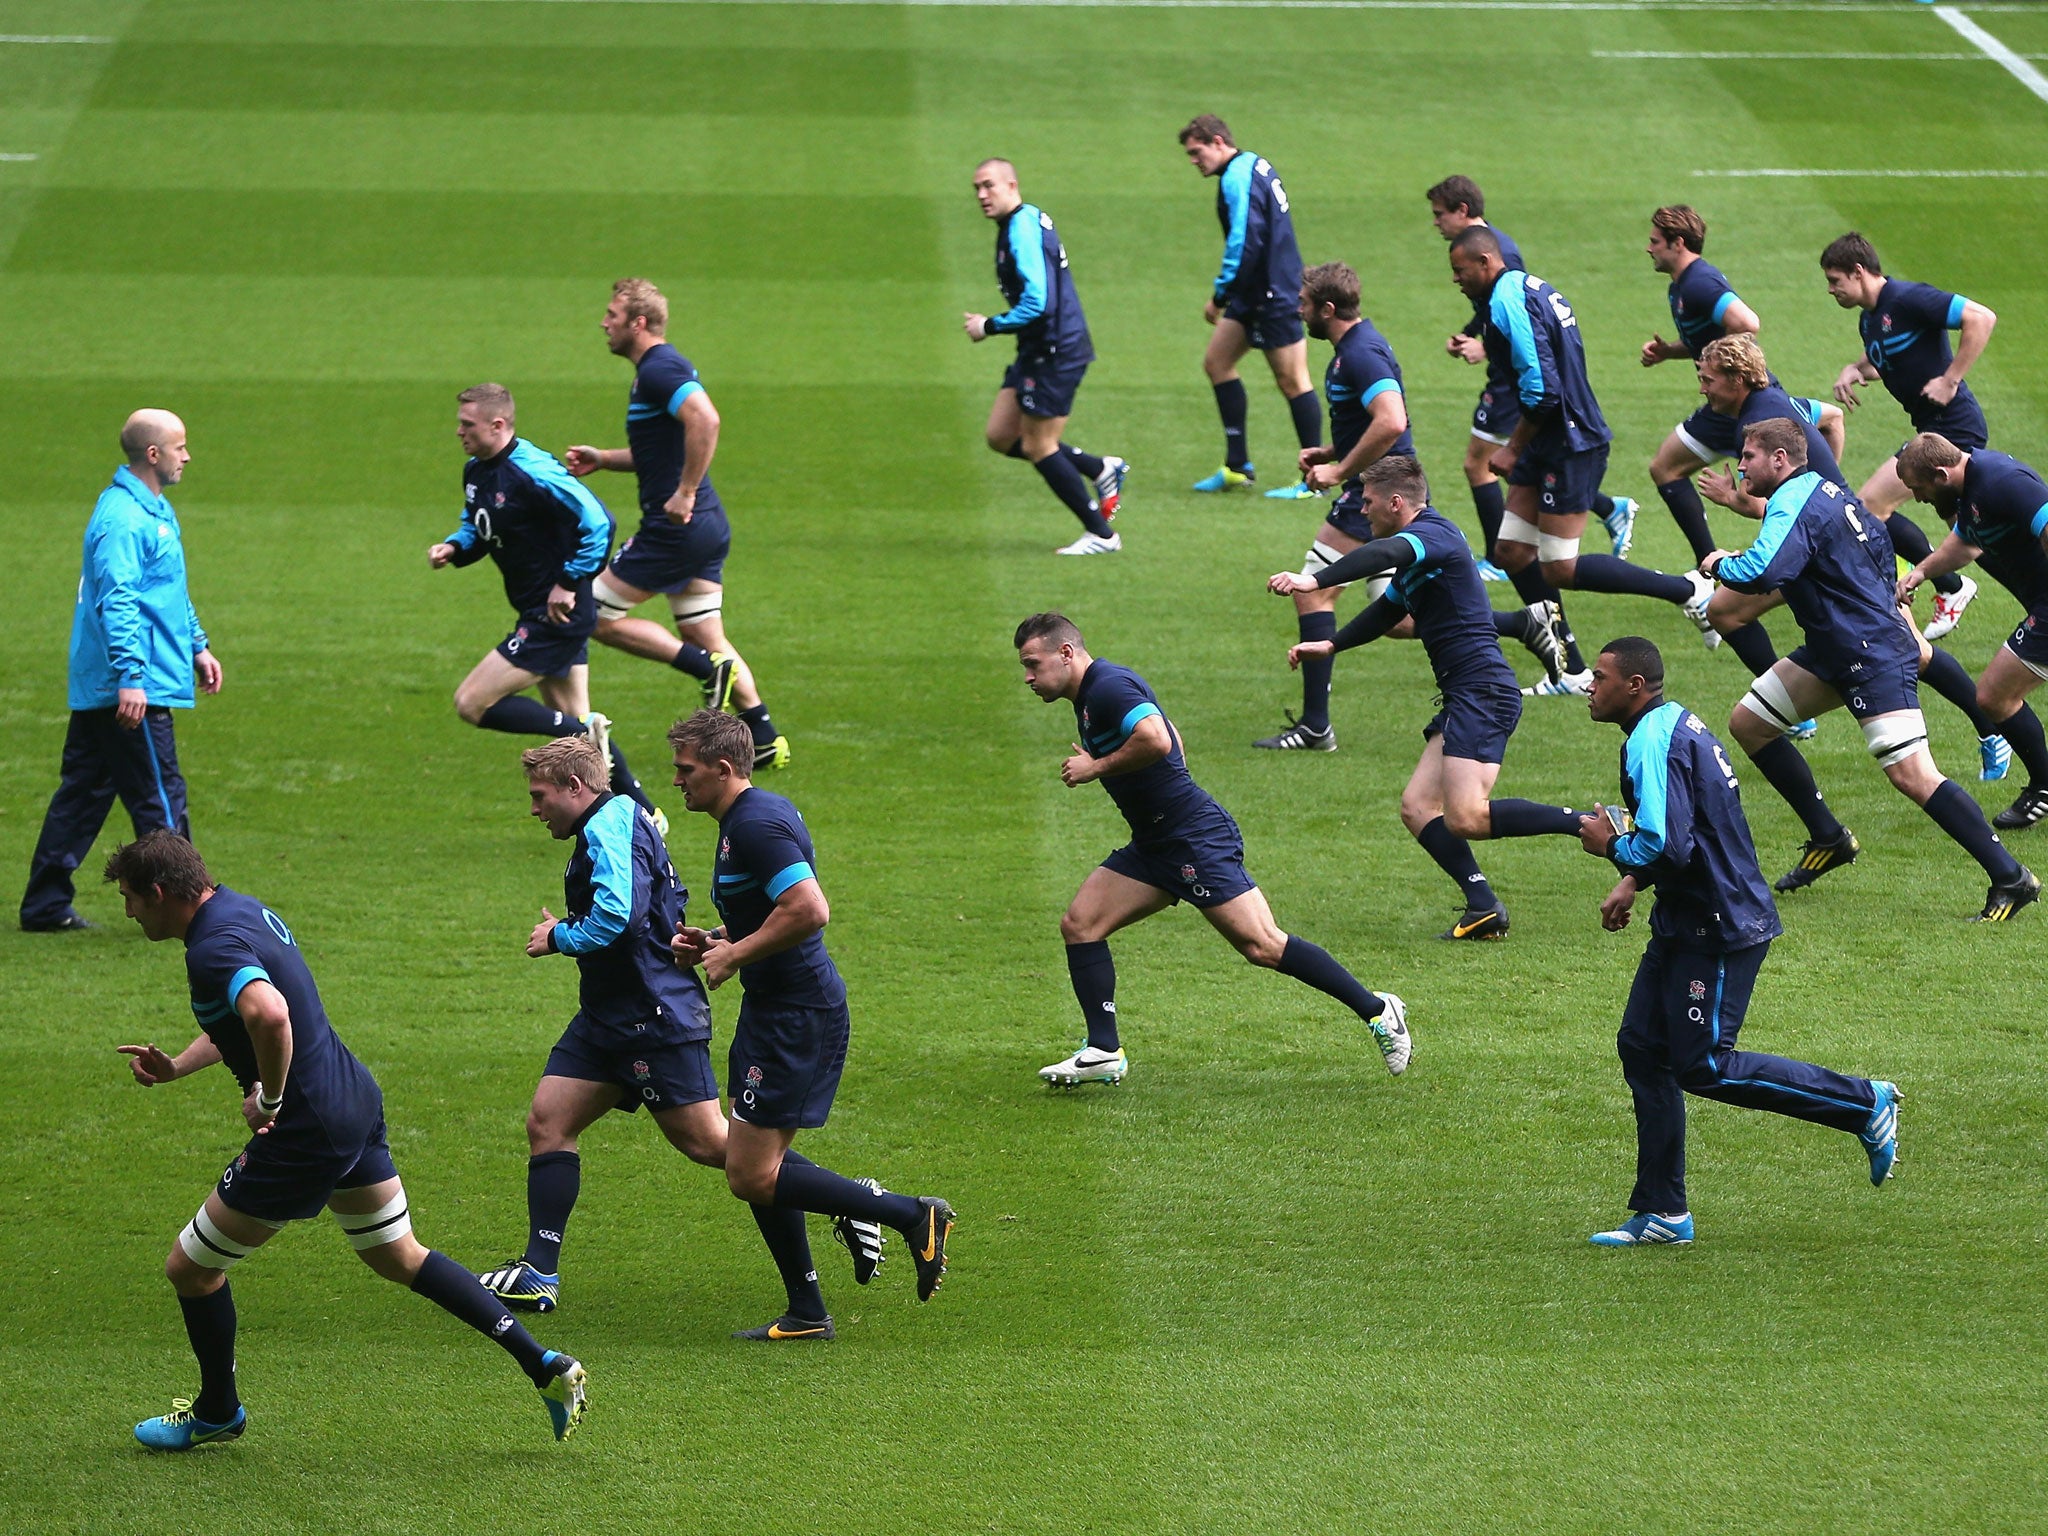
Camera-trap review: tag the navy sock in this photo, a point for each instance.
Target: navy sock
(1604, 573)
(552, 1182)
(693, 659)
(1307, 411)
(1094, 976)
(1315, 965)
(1015, 450)
(1077, 493)
(1781, 763)
(1230, 405)
(210, 1325)
(1512, 623)
(782, 1229)
(1087, 463)
(521, 716)
(1690, 513)
(1603, 504)
(1532, 587)
(1752, 646)
(1963, 819)
(625, 783)
(1910, 540)
(805, 1186)
(2022, 731)
(1453, 856)
(1491, 503)
(454, 1289)
(1531, 818)
(760, 725)
(1947, 677)
(1315, 674)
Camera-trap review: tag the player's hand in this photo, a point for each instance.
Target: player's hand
(719, 964)
(582, 459)
(207, 666)
(561, 604)
(1908, 584)
(537, 941)
(1719, 487)
(1309, 650)
(1941, 389)
(1654, 350)
(1308, 458)
(150, 1065)
(1211, 311)
(1614, 911)
(688, 946)
(1710, 562)
(1596, 832)
(1078, 769)
(1502, 460)
(1470, 348)
(1846, 383)
(130, 704)
(439, 555)
(682, 506)
(1287, 583)
(1320, 477)
(976, 326)
(253, 1111)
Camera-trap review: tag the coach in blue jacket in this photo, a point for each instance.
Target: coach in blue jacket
(137, 653)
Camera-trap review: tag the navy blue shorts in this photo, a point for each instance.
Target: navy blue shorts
(1204, 865)
(1568, 482)
(659, 1076)
(544, 650)
(785, 1062)
(1477, 725)
(2030, 641)
(666, 557)
(1498, 413)
(1709, 436)
(1045, 386)
(1348, 517)
(1876, 687)
(275, 1179)
(1276, 322)
(1960, 421)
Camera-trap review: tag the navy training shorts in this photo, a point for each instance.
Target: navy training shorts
(659, 1076)
(784, 1065)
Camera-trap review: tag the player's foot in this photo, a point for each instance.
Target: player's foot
(928, 1244)
(1576, 685)
(1621, 525)
(1880, 1137)
(1298, 491)
(1226, 479)
(1092, 544)
(1299, 738)
(2031, 806)
(718, 686)
(2004, 901)
(1696, 608)
(862, 1239)
(660, 820)
(1994, 757)
(1643, 1229)
(787, 1330)
(600, 729)
(1805, 730)
(1109, 485)
(1948, 609)
(1816, 859)
(181, 1429)
(66, 921)
(522, 1287)
(773, 754)
(566, 1396)
(1479, 923)
(1087, 1065)
(1390, 1033)
(1539, 638)
(1488, 571)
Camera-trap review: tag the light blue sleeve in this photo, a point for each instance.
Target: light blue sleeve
(683, 392)
(2040, 522)
(1781, 512)
(609, 836)
(1385, 386)
(1133, 717)
(241, 979)
(593, 522)
(115, 561)
(1027, 249)
(1649, 769)
(1510, 316)
(1721, 304)
(1956, 305)
(1237, 199)
(791, 875)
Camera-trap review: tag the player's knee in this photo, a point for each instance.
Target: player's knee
(1074, 929)
(398, 1261)
(545, 1134)
(1264, 950)
(469, 706)
(753, 1184)
(1000, 442)
(1560, 573)
(1512, 557)
(1417, 813)
(1467, 821)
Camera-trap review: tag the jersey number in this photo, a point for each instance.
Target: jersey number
(1562, 310)
(1727, 771)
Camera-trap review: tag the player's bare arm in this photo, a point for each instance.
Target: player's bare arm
(799, 912)
(1724, 490)
(582, 459)
(1389, 415)
(700, 428)
(1975, 332)
(269, 1022)
(1147, 744)
(1860, 372)
(540, 941)
(1952, 554)
(1616, 906)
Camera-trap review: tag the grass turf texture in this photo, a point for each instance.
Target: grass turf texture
(1261, 1286)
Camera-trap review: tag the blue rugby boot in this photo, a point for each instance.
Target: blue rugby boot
(1226, 479)
(1645, 1228)
(522, 1287)
(1880, 1137)
(1621, 525)
(181, 1429)
(565, 1396)
(1994, 758)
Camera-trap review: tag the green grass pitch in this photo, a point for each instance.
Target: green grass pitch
(1261, 1287)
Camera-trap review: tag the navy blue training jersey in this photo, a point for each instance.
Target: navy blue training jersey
(662, 381)
(329, 1096)
(1362, 368)
(1453, 617)
(1772, 402)
(1045, 311)
(1691, 840)
(2003, 510)
(624, 902)
(1158, 800)
(1906, 339)
(1532, 330)
(764, 848)
(1833, 562)
(541, 526)
(1261, 262)
(1699, 297)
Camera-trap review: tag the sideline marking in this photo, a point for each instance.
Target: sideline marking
(1775, 171)
(2015, 65)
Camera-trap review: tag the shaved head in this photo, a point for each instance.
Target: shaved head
(1000, 166)
(149, 429)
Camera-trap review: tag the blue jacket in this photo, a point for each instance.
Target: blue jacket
(134, 626)
(1532, 331)
(1045, 311)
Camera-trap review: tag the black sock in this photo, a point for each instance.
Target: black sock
(1532, 586)
(624, 782)
(210, 1325)
(1087, 463)
(1947, 677)
(782, 1229)
(807, 1187)
(693, 659)
(1078, 494)
(552, 1182)
(1453, 856)
(454, 1289)
(521, 716)
(1316, 672)
(1094, 976)
(1491, 503)
(1690, 513)
(1307, 411)
(1963, 819)
(2022, 731)
(1910, 540)
(1316, 966)
(1604, 573)
(1015, 450)
(760, 725)
(1230, 405)
(1531, 818)
(1513, 623)
(1603, 505)
(1752, 646)
(1781, 763)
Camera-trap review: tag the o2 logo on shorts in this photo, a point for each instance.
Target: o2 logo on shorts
(518, 639)
(276, 925)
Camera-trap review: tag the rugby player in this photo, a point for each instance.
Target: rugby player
(317, 1118)
(1184, 847)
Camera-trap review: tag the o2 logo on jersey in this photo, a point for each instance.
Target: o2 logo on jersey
(276, 925)
(481, 518)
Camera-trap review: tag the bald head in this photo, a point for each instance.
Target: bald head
(154, 442)
(995, 188)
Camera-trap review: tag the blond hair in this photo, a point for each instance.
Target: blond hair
(643, 301)
(564, 760)
(1737, 357)
(495, 399)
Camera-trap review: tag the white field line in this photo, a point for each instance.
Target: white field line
(18, 157)
(2015, 65)
(1750, 6)
(29, 37)
(1796, 174)
(1750, 53)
